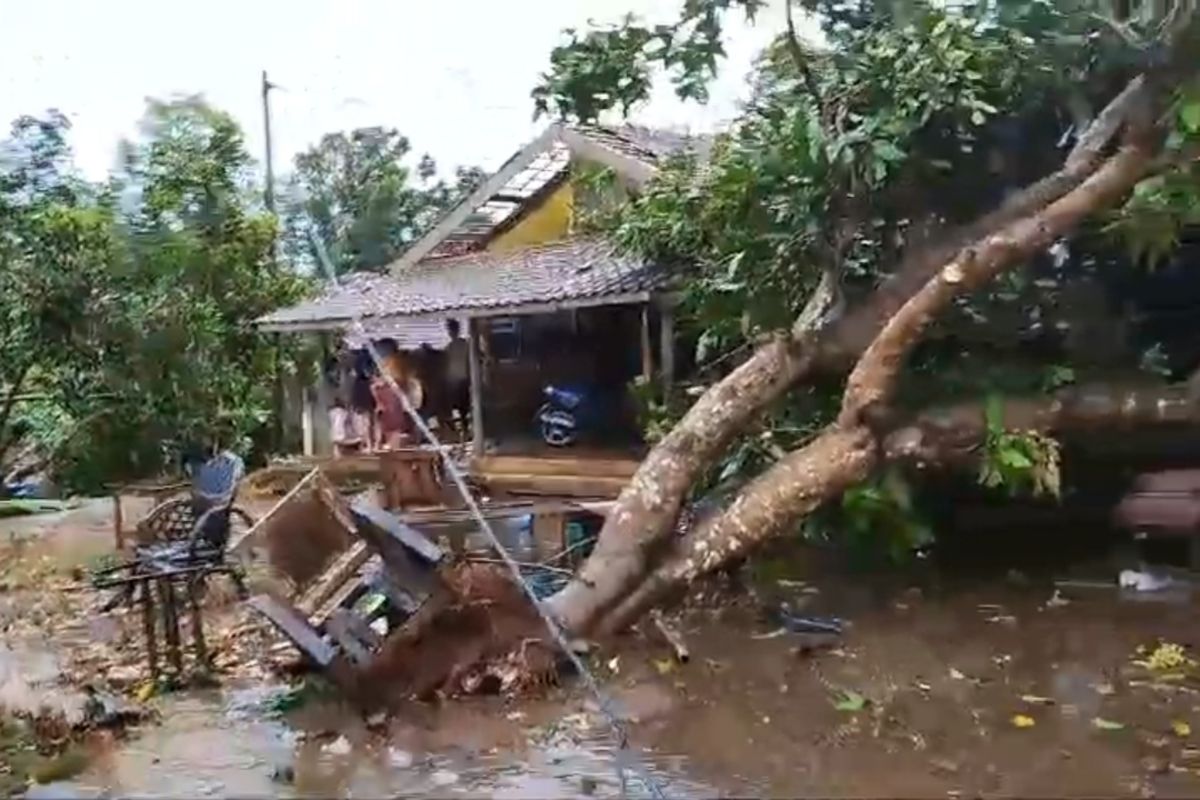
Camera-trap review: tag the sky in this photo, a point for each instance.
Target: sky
(452, 75)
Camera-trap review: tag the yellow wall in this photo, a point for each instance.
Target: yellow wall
(549, 222)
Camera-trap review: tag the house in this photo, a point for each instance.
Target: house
(543, 302)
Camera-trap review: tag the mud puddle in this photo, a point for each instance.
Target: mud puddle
(226, 743)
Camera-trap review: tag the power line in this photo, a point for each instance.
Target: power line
(604, 703)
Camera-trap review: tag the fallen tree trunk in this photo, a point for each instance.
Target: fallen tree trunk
(848, 451)
(622, 579)
(645, 514)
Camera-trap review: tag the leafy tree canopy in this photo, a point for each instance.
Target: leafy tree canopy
(356, 193)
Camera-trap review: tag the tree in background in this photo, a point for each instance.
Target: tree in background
(356, 194)
(58, 254)
(136, 298)
(896, 178)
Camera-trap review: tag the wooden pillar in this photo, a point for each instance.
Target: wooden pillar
(307, 425)
(647, 350)
(666, 324)
(549, 534)
(476, 369)
(278, 428)
(118, 520)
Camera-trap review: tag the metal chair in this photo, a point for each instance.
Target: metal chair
(186, 535)
(203, 518)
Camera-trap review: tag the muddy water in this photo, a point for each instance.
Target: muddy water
(940, 674)
(226, 744)
(929, 677)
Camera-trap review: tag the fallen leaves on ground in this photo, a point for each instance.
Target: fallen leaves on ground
(1165, 658)
(1101, 724)
(849, 700)
(1023, 721)
(1181, 728)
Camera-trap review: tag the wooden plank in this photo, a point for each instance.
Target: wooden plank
(559, 485)
(295, 628)
(585, 466)
(337, 575)
(250, 535)
(339, 598)
(426, 519)
(549, 534)
(389, 524)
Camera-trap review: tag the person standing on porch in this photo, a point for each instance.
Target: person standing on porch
(395, 426)
(458, 374)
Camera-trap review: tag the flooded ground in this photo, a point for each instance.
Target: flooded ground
(1003, 687)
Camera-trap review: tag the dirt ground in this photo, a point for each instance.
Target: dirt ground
(999, 687)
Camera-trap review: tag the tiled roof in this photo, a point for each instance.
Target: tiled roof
(648, 145)
(645, 144)
(569, 271)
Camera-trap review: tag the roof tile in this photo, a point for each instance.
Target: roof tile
(569, 270)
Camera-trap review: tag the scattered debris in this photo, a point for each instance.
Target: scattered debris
(672, 636)
(1036, 700)
(849, 700)
(1057, 600)
(1144, 581)
(1099, 723)
(1023, 721)
(338, 747)
(1181, 728)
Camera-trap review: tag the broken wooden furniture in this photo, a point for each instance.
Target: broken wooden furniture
(205, 513)
(411, 476)
(596, 477)
(377, 575)
(1164, 504)
(167, 581)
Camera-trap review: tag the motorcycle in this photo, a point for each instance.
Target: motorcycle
(568, 412)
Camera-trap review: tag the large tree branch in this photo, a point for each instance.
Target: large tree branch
(873, 379)
(800, 59)
(846, 452)
(952, 434)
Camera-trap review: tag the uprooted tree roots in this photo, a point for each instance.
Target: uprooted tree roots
(485, 638)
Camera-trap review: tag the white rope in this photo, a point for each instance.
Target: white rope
(603, 701)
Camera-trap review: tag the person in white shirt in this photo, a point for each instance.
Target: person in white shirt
(458, 373)
(345, 429)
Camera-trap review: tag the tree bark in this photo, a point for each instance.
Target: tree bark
(646, 511)
(6, 409)
(649, 506)
(848, 451)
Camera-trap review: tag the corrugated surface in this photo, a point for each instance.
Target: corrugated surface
(574, 269)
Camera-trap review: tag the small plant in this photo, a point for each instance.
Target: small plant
(876, 517)
(1019, 461)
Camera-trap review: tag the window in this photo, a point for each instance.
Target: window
(504, 339)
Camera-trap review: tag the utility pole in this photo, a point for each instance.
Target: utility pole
(269, 202)
(269, 192)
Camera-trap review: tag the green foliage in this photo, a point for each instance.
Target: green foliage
(613, 67)
(1163, 207)
(129, 305)
(356, 194)
(876, 518)
(1020, 462)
